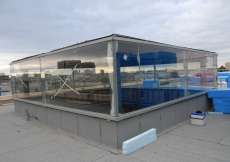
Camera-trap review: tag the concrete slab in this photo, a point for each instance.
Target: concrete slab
(23, 107)
(32, 109)
(168, 114)
(82, 154)
(17, 106)
(225, 141)
(181, 112)
(86, 125)
(42, 114)
(24, 141)
(165, 153)
(69, 122)
(108, 133)
(118, 158)
(127, 129)
(54, 117)
(150, 120)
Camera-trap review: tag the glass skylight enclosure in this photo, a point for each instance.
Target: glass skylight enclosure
(113, 77)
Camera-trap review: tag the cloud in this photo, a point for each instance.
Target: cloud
(32, 27)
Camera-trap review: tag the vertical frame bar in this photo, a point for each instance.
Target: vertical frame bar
(43, 86)
(185, 73)
(215, 70)
(12, 81)
(115, 89)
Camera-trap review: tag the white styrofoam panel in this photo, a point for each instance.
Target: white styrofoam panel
(139, 141)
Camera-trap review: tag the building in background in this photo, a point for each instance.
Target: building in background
(227, 65)
(69, 64)
(5, 83)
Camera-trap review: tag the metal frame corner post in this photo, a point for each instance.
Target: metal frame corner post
(115, 77)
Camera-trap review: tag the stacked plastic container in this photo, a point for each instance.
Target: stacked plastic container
(150, 83)
(221, 96)
(221, 100)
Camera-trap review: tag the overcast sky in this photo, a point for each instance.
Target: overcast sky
(33, 27)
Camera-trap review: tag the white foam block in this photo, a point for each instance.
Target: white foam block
(215, 113)
(139, 141)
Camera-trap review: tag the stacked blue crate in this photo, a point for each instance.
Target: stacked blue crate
(167, 57)
(174, 74)
(221, 100)
(223, 78)
(150, 83)
(137, 98)
(150, 58)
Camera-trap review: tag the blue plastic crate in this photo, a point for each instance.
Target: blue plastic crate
(174, 74)
(223, 78)
(169, 60)
(150, 83)
(0, 91)
(164, 54)
(224, 109)
(221, 102)
(228, 85)
(131, 59)
(150, 58)
(219, 93)
(223, 74)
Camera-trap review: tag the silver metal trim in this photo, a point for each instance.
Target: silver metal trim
(115, 93)
(64, 49)
(159, 44)
(114, 37)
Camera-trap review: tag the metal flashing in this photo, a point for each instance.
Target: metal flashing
(107, 38)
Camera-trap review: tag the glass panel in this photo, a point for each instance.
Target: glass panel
(215, 70)
(12, 79)
(201, 72)
(26, 80)
(79, 78)
(149, 75)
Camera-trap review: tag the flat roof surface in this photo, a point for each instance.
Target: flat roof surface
(24, 141)
(106, 37)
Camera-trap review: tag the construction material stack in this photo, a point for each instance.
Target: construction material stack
(221, 100)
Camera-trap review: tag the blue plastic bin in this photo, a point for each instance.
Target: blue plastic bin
(0, 91)
(224, 109)
(219, 93)
(150, 83)
(221, 102)
(223, 78)
(169, 60)
(164, 54)
(223, 73)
